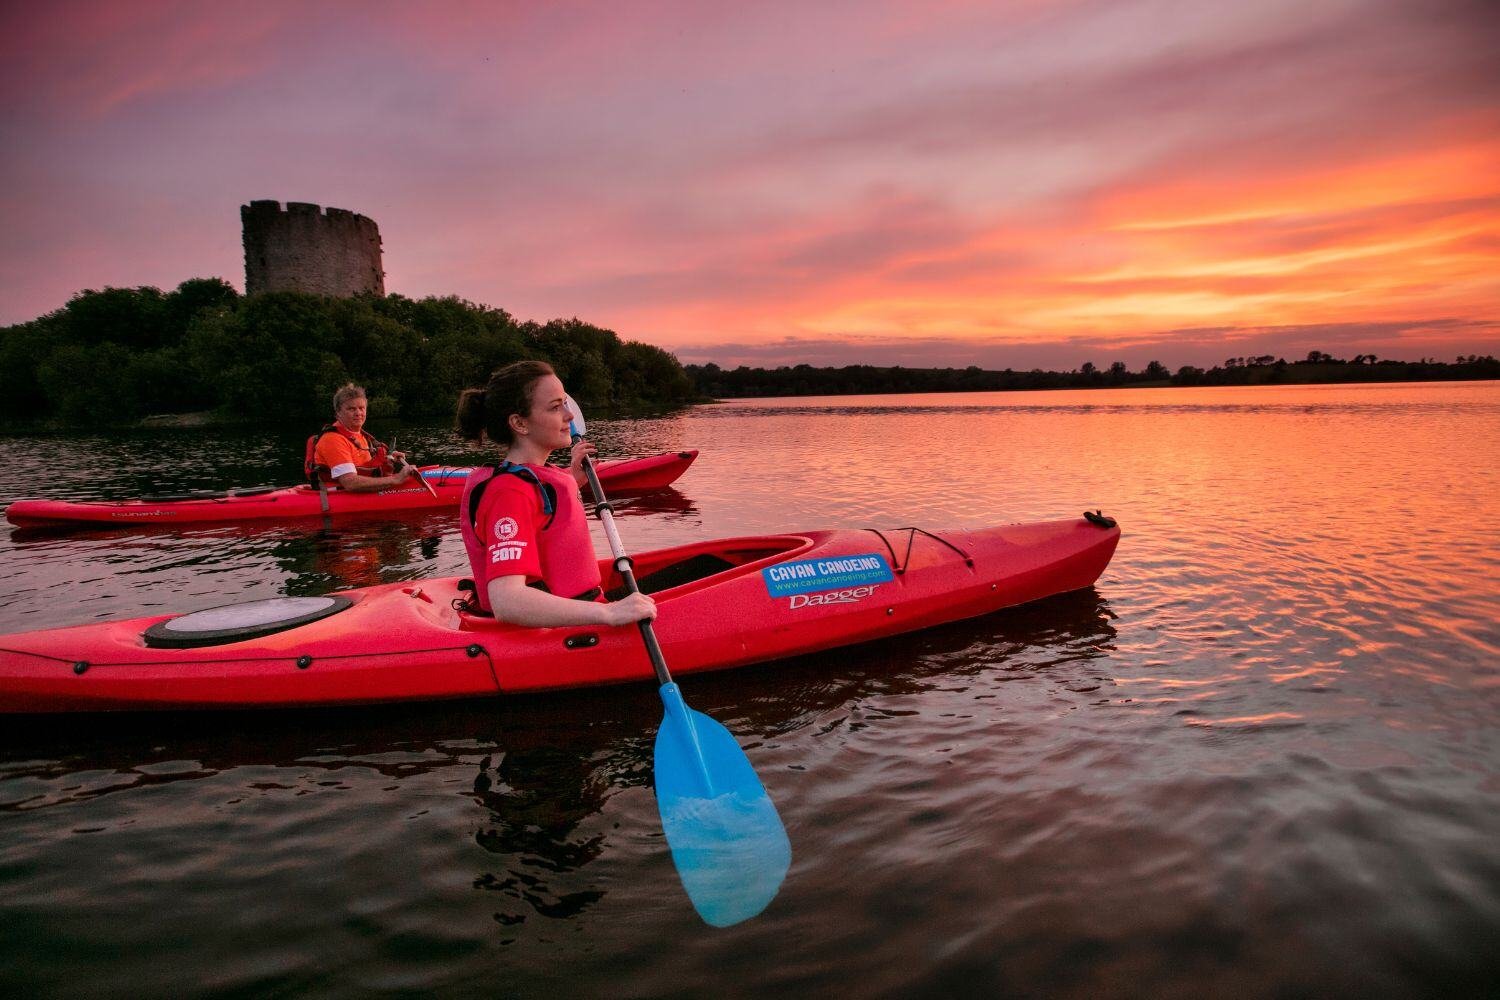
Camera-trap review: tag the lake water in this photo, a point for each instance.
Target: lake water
(1259, 758)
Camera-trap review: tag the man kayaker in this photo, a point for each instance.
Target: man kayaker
(522, 522)
(344, 454)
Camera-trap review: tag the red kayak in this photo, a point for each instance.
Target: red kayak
(722, 604)
(631, 475)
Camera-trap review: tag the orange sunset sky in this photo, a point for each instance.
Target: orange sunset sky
(1008, 184)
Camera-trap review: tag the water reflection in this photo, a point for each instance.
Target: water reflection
(1284, 682)
(538, 797)
(668, 504)
(314, 556)
(361, 555)
(1064, 640)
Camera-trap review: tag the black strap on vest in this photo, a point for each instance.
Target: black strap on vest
(547, 490)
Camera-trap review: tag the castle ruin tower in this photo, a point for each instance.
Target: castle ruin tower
(307, 249)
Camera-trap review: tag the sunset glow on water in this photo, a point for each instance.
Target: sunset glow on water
(1272, 720)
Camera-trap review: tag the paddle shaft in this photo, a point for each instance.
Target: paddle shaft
(623, 566)
(728, 843)
(416, 472)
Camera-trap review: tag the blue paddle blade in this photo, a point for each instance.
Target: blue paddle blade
(727, 840)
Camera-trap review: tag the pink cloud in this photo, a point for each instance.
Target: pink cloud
(88, 58)
(857, 176)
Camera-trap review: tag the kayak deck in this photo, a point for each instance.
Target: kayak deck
(722, 603)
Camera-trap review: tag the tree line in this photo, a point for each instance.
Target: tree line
(114, 356)
(1317, 367)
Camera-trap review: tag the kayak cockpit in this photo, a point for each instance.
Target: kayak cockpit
(686, 568)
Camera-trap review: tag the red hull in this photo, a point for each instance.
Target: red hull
(403, 642)
(631, 475)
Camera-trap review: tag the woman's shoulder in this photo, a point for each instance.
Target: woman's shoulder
(512, 488)
(500, 483)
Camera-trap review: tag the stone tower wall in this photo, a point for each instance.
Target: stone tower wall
(306, 249)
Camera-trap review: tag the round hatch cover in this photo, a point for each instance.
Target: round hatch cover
(238, 622)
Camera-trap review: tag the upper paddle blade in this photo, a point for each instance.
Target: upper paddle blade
(576, 426)
(727, 840)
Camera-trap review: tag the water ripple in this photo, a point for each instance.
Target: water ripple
(1258, 758)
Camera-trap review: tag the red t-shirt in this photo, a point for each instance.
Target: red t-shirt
(511, 536)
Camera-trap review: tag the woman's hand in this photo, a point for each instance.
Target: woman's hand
(581, 447)
(630, 609)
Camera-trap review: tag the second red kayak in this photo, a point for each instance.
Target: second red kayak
(631, 475)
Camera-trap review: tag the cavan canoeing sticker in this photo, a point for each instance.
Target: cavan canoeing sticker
(804, 576)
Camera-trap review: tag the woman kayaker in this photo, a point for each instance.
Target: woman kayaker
(522, 522)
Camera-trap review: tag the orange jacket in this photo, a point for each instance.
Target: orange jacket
(337, 451)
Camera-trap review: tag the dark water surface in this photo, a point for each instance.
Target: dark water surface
(1259, 759)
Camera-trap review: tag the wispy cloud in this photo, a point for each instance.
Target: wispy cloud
(87, 59)
(833, 181)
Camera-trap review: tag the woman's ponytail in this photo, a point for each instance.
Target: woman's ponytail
(485, 413)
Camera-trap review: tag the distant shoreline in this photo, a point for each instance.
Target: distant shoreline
(744, 382)
(1162, 385)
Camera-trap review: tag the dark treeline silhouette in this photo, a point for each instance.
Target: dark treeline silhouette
(1317, 367)
(116, 355)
